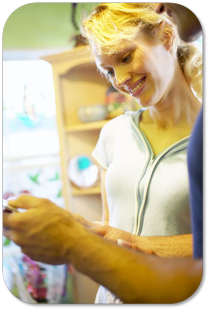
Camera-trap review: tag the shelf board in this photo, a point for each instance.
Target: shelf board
(27, 167)
(87, 191)
(12, 159)
(86, 126)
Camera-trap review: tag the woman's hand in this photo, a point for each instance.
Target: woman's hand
(113, 234)
(164, 246)
(88, 224)
(124, 238)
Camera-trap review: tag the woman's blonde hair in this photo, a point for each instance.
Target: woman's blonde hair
(111, 23)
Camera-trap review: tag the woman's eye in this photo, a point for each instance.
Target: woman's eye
(110, 73)
(126, 58)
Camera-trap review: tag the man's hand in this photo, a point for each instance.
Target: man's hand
(42, 230)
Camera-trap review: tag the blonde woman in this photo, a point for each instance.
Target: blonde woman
(143, 154)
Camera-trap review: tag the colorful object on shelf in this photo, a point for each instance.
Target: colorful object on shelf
(8, 195)
(83, 162)
(59, 193)
(70, 269)
(118, 103)
(29, 117)
(36, 278)
(30, 121)
(34, 178)
(7, 242)
(37, 282)
(8, 276)
(92, 113)
(25, 192)
(83, 171)
(55, 178)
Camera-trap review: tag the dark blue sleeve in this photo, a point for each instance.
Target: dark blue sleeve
(195, 166)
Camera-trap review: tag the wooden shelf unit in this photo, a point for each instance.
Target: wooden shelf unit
(77, 82)
(96, 190)
(86, 126)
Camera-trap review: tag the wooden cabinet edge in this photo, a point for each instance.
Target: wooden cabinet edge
(76, 57)
(87, 191)
(86, 126)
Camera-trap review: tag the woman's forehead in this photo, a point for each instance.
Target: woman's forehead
(116, 51)
(123, 46)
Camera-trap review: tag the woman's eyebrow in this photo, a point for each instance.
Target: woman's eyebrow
(118, 55)
(129, 49)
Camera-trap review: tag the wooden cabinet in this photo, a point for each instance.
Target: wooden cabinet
(77, 82)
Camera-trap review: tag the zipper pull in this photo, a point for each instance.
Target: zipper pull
(152, 159)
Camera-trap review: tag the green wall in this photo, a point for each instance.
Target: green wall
(42, 26)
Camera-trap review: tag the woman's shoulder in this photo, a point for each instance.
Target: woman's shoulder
(114, 123)
(120, 123)
(134, 114)
(121, 120)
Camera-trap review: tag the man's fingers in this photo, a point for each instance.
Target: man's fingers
(6, 216)
(24, 202)
(7, 233)
(17, 220)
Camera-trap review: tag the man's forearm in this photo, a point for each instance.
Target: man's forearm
(130, 275)
(135, 277)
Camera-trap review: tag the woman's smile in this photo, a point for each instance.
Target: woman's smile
(142, 70)
(136, 88)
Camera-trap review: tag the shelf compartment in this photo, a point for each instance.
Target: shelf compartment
(86, 126)
(86, 191)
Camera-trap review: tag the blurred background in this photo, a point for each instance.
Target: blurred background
(31, 150)
(30, 137)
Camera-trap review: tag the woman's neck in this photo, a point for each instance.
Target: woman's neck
(178, 106)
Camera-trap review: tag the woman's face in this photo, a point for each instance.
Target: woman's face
(143, 70)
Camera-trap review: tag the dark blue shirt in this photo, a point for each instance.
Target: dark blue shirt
(195, 166)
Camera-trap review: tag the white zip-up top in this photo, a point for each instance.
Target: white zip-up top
(147, 195)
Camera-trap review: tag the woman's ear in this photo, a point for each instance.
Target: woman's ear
(168, 35)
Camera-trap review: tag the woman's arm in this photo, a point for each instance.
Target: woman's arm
(170, 246)
(105, 210)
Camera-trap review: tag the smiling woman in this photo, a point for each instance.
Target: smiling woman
(143, 154)
(136, 72)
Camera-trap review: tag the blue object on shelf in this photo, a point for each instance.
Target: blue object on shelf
(83, 163)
